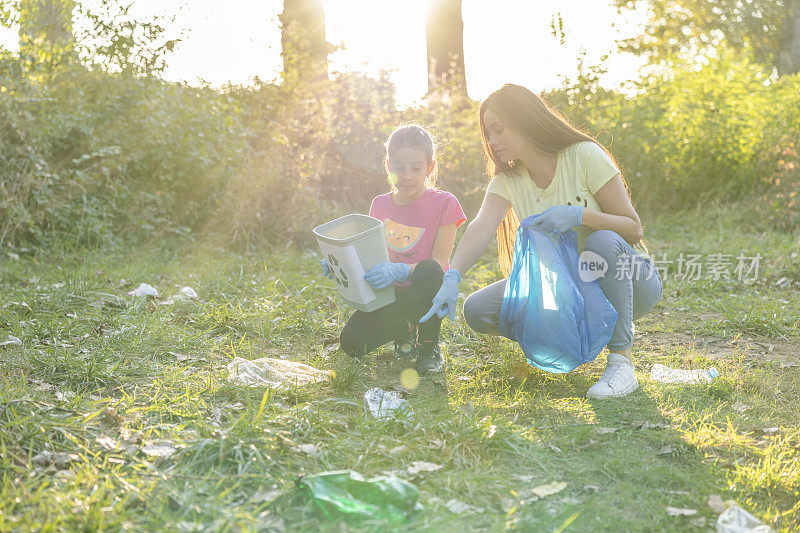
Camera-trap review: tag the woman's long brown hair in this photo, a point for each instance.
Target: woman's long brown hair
(543, 127)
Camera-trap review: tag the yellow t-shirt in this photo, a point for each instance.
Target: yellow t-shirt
(582, 169)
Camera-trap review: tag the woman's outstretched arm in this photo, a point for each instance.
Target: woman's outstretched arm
(479, 232)
(472, 244)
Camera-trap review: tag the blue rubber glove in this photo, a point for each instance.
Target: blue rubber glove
(326, 270)
(559, 219)
(384, 274)
(444, 303)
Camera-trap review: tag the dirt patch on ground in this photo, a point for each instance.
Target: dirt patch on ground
(752, 347)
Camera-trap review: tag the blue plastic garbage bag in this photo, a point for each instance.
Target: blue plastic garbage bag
(559, 320)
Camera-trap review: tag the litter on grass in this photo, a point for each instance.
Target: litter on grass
(11, 341)
(665, 374)
(185, 294)
(386, 404)
(346, 494)
(271, 372)
(734, 519)
(144, 290)
(555, 487)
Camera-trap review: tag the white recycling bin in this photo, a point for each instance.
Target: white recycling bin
(351, 245)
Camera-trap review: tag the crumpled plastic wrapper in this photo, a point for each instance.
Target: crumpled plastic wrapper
(734, 519)
(11, 341)
(144, 290)
(386, 404)
(271, 372)
(185, 294)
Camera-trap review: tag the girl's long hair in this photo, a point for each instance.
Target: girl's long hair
(542, 127)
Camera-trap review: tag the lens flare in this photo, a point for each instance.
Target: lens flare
(409, 378)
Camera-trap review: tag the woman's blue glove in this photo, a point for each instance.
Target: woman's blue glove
(444, 303)
(326, 270)
(384, 274)
(559, 219)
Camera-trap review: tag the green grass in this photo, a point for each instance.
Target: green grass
(100, 377)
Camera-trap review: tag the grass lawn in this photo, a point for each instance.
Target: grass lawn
(143, 431)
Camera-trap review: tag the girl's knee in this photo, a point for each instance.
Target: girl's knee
(427, 278)
(351, 343)
(427, 270)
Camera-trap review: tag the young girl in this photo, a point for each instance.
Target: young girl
(420, 223)
(540, 163)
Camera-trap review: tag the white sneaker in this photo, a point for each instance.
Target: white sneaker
(618, 380)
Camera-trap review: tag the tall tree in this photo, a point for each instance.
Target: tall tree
(789, 55)
(304, 48)
(444, 33)
(45, 22)
(45, 34)
(769, 28)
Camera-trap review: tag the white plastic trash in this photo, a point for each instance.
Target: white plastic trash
(734, 519)
(271, 372)
(185, 294)
(11, 341)
(665, 374)
(144, 290)
(351, 245)
(386, 404)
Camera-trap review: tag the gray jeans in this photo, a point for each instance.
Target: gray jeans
(631, 284)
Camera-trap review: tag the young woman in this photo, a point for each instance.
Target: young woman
(540, 163)
(420, 223)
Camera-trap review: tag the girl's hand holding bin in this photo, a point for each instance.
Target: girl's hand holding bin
(444, 303)
(326, 270)
(558, 219)
(384, 274)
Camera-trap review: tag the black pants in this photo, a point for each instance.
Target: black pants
(366, 331)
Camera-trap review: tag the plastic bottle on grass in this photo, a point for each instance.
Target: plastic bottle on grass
(665, 374)
(346, 494)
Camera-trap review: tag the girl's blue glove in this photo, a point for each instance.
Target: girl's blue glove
(559, 219)
(326, 270)
(444, 303)
(384, 274)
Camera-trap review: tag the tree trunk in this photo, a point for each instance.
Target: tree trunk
(303, 45)
(789, 57)
(45, 21)
(444, 33)
(45, 34)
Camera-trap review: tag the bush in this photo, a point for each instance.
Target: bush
(91, 157)
(690, 136)
(95, 157)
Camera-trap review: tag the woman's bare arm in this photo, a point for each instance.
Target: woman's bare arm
(618, 213)
(479, 232)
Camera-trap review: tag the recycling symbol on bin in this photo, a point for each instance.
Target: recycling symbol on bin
(338, 274)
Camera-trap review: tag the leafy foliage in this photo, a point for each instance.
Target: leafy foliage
(694, 135)
(689, 27)
(98, 150)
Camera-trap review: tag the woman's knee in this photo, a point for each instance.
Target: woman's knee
(604, 242)
(612, 248)
(473, 314)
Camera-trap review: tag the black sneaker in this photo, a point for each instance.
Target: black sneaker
(404, 347)
(429, 360)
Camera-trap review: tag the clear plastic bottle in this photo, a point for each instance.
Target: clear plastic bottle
(665, 374)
